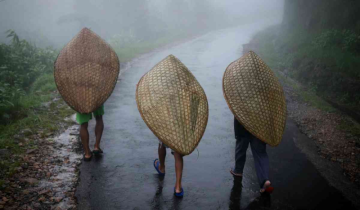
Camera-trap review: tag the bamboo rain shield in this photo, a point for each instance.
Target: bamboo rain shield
(256, 98)
(86, 72)
(173, 105)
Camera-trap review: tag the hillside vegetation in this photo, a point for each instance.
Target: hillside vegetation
(318, 44)
(25, 77)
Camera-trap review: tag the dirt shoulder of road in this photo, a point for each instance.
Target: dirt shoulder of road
(332, 147)
(44, 174)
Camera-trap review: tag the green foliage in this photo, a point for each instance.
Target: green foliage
(350, 126)
(44, 84)
(346, 40)
(2, 182)
(41, 121)
(327, 63)
(307, 95)
(21, 64)
(9, 95)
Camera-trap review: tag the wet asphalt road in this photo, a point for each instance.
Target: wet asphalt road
(124, 178)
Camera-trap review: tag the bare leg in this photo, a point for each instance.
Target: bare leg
(84, 135)
(179, 164)
(99, 128)
(162, 156)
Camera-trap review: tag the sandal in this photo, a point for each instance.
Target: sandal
(87, 159)
(156, 166)
(267, 189)
(180, 194)
(235, 174)
(97, 152)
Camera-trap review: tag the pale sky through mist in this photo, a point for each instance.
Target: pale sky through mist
(56, 21)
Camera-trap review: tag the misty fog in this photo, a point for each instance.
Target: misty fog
(312, 47)
(55, 22)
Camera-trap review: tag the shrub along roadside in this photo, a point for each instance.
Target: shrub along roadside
(271, 46)
(21, 64)
(26, 83)
(326, 62)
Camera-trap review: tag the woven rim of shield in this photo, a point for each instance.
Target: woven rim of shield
(278, 96)
(99, 63)
(204, 119)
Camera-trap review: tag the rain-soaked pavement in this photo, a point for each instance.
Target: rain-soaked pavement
(124, 178)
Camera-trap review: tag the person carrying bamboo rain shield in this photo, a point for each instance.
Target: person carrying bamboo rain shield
(256, 98)
(175, 108)
(86, 73)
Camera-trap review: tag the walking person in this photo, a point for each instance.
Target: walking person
(258, 149)
(257, 100)
(83, 120)
(175, 108)
(159, 165)
(86, 72)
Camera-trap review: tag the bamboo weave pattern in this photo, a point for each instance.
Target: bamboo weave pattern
(86, 72)
(256, 98)
(173, 105)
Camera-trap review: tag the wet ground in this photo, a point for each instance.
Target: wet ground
(124, 178)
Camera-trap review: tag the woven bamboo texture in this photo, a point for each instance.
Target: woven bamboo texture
(173, 105)
(86, 72)
(256, 98)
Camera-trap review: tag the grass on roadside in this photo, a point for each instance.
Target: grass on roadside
(42, 114)
(267, 52)
(306, 95)
(326, 62)
(278, 63)
(350, 126)
(41, 122)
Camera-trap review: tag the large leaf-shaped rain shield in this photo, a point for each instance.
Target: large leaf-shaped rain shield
(86, 72)
(173, 105)
(256, 98)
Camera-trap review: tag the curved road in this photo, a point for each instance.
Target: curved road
(124, 178)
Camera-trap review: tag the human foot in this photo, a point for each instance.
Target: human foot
(178, 192)
(159, 169)
(97, 147)
(178, 188)
(97, 151)
(87, 157)
(267, 187)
